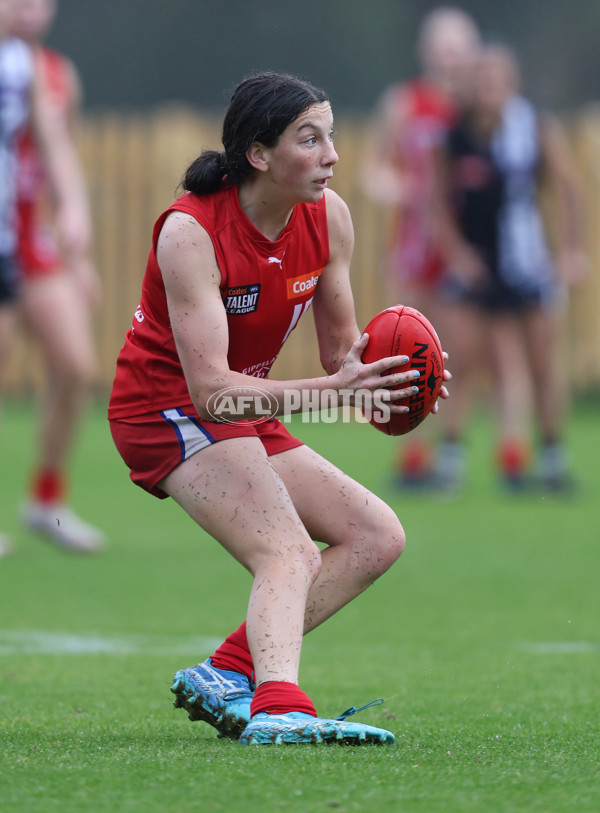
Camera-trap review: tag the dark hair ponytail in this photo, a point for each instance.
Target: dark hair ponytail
(260, 109)
(205, 174)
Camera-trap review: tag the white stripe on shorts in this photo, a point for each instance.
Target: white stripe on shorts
(191, 436)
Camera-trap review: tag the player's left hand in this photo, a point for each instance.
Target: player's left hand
(87, 281)
(74, 232)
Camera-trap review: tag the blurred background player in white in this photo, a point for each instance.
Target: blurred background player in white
(499, 260)
(59, 291)
(22, 98)
(16, 76)
(410, 123)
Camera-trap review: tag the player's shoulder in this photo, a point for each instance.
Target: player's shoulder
(59, 73)
(336, 207)
(182, 247)
(14, 45)
(339, 223)
(16, 57)
(395, 92)
(395, 104)
(53, 58)
(188, 208)
(400, 95)
(339, 219)
(179, 227)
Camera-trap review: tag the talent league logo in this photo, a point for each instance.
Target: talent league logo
(242, 299)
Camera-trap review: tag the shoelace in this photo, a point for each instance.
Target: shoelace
(353, 710)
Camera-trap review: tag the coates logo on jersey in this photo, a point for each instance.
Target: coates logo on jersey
(249, 404)
(242, 299)
(301, 286)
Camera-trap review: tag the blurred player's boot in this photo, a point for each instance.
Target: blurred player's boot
(449, 472)
(298, 727)
(414, 465)
(62, 526)
(216, 696)
(513, 462)
(553, 469)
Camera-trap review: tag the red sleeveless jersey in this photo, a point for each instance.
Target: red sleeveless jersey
(265, 286)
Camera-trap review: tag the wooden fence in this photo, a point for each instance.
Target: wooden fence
(134, 163)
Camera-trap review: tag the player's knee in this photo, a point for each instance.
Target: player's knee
(311, 558)
(78, 372)
(397, 541)
(298, 559)
(387, 540)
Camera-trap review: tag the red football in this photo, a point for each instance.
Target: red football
(404, 331)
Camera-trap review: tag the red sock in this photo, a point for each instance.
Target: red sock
(414, 459)
(234, 653)
(279, 697)
(513, 457)
(48, 485)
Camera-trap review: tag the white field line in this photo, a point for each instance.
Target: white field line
(38, 642)
(559, 647)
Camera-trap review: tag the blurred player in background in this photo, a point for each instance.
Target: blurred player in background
(235, 263)
(22, 99)
(410, 123)
(499, 261)
(60, 289)
(16, 76)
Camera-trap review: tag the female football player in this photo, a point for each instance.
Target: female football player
(499, 257)
(23, 99)
(235, 262)
(58, 293)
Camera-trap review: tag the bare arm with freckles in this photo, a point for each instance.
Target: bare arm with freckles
(333, 303)
(199, 323)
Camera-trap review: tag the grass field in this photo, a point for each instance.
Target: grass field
(483, 639)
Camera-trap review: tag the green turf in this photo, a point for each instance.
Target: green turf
(483, 639)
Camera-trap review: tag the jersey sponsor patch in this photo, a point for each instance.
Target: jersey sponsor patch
(242, 299)
(300, 286)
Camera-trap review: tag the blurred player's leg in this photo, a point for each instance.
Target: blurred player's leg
(7, 331)
(513, 398)
(541, 338)
(460, 329)
(61, 322)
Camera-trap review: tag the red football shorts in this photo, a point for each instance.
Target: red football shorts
(154, 444)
